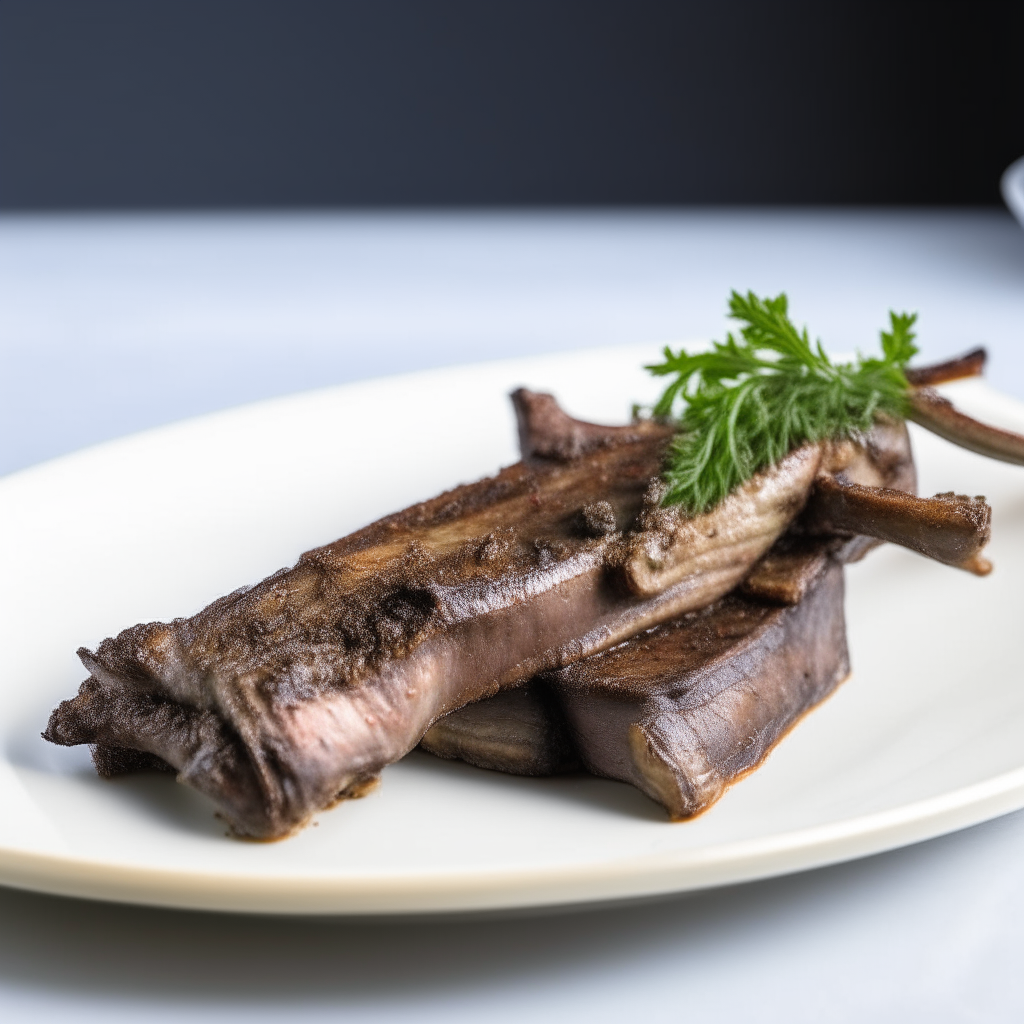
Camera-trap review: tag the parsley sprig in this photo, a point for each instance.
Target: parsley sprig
(751, 400)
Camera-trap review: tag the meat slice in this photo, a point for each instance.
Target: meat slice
(681, 711)
(689, 707)
(277, 699)
(934, 412)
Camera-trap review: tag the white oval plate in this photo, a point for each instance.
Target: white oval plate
(927, 737)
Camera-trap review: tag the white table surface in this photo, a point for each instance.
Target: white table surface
(112, 324)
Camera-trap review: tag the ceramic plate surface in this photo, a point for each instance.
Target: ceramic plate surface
(926, 737)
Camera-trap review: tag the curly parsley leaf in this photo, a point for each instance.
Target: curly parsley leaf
(751, 400)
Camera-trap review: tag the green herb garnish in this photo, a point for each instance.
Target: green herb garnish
(751, 400)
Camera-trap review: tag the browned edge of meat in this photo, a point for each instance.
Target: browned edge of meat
(278, 698)
(970, 364)
(113, 761)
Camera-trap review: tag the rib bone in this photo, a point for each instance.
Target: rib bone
(970, 364)
(940, 416)
(951, 528)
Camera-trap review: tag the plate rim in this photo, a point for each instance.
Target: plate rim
(663, 873)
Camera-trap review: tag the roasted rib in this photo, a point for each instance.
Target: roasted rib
(279, 699)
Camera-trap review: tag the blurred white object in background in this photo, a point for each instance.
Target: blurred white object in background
(1012, 184)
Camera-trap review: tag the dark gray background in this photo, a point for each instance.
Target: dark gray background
(306, 103)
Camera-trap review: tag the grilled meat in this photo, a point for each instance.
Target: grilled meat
(278, 699)
(970, 364)
(940, 416)
(936, 413)
(863, 495)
